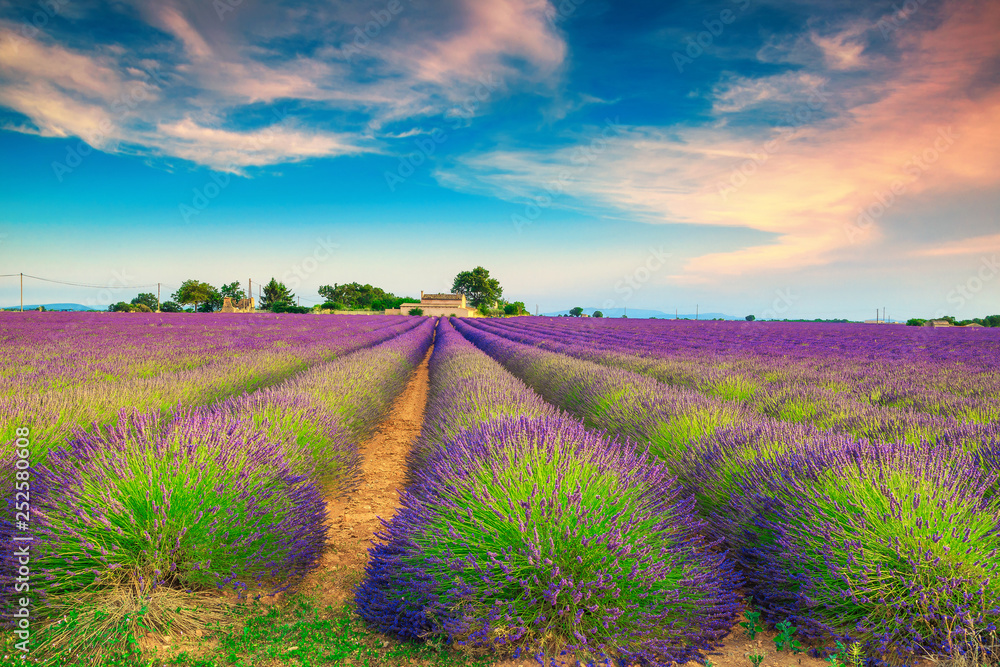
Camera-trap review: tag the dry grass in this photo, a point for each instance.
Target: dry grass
(115, 618)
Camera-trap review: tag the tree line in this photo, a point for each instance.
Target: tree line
(205, 298)
(480, 289)
(988, 321)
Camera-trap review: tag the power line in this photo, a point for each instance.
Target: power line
(64, 282)
(259, 283)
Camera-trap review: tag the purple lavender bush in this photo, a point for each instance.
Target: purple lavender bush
(132, 514)
(467, 388)
(538, 537)
(627, 404)
(890, 545)
(319, 446)
(717, 468)
(865, 381)
(326, 411)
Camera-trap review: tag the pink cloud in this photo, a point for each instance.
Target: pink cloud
(923, 135)
(978, 245)
(491, 31)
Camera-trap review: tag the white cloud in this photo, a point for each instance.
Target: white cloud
(423, 65)
(736, 93)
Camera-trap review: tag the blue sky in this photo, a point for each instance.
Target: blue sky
(789, 159)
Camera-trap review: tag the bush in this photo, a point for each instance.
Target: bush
(894, 546)
(320, 445)
(467, 389)
(537, 536)
(133, 515)
(170, 307)
(716, 468)
(141, 308)
(416, 311)
(283, 307)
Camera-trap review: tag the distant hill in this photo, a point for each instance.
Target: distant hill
(54, 306)
(639, 313)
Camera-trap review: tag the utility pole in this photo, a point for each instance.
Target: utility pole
(157, 297)
(536, 310)
(695, 311)
(675, 313)
(249, 288)
(298, 301)
(22, 292)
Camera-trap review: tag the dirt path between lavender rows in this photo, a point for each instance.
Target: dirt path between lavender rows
(355, 519)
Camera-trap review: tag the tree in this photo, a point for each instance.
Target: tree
(146, 299)
(233, 290)
(598, 313)
(478, 287)
(991, 321)
(215, 301)
(416, 311)
(515, 308)
(120, 307)
(288, 307)
(915, 322)
(276, 295)
(170, 307)
(141, 308)
(355, 296)
(576, 312)
(750, 318)
(194, 291)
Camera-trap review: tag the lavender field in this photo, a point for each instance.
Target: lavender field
(620, 491)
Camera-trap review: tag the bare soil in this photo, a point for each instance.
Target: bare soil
(355, 520)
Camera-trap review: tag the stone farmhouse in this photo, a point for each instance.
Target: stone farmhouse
(438, 305)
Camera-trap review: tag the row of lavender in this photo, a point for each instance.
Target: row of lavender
(928, 369)
(894, 545)
(144, 513)
(873, 396)
(804, 342)
(86, 388)
(49, 351)
(523, 532)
